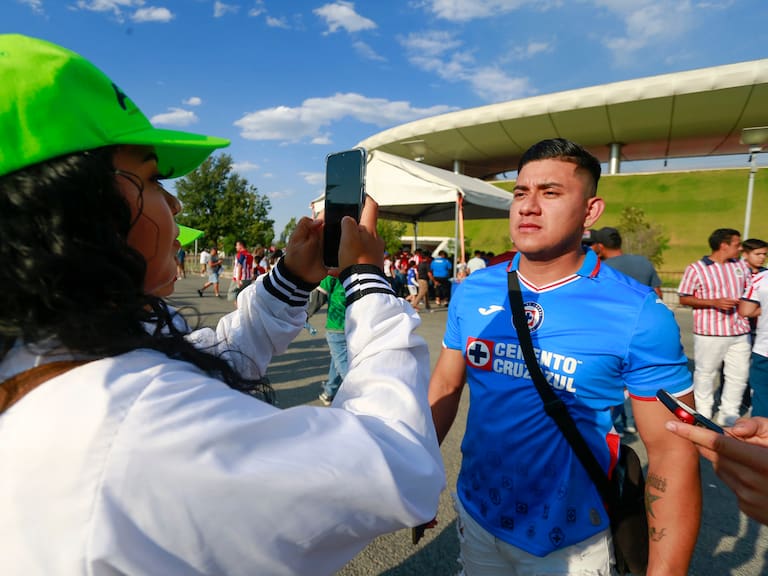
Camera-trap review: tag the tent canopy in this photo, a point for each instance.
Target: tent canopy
(412, 192)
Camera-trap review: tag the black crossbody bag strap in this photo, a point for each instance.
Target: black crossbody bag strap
(553, 405)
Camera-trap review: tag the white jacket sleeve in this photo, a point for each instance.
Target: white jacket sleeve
(222, 483)
(270, 313)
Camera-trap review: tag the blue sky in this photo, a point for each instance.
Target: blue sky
(289, 81)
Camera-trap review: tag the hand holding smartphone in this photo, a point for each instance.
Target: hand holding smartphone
(685, 413)
(344, 196)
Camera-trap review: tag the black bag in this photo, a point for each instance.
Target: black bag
(624, 492)
(629, 523)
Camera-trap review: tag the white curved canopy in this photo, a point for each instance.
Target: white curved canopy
(686, 114)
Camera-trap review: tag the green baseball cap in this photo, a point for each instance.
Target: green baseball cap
(54, 102)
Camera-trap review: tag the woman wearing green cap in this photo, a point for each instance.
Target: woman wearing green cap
(127, 443)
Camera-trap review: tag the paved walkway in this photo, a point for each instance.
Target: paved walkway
(729, 543)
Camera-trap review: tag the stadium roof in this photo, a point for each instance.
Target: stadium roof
(686, 114)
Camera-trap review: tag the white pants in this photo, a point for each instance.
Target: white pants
(710, 352)
(482, 554)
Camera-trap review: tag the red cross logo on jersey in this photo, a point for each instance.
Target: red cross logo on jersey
(479, 353)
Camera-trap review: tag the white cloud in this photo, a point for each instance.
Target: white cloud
(313, 178)
(280, 194)
(322, 140)
(342, 14)
(273, 22)
(530, 50)
(221, 9)
(438, 52)
(430, 43)
(114, 6)
(308, 121)
(35, 5)
(175, 117)
(367, 52)
(646, 22)
(192, 101)
(118, 7)
(495, 85)
(257, 9)
(464, 10)
(241, 167)
(151, 14)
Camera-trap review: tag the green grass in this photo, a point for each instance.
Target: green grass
(688, 206)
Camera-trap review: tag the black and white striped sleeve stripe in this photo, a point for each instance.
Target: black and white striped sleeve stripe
(285, 286)
(362, 279)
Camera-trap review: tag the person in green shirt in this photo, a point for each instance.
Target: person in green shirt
(332, 291)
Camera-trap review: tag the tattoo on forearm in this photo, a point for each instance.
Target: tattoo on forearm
(656, 535)
(659, 484)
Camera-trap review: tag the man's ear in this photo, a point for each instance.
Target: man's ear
(595, 208)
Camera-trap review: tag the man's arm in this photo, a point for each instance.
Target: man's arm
(739, 459)
(724, 304)
(672, 491)
(445, 388)
(749, 309)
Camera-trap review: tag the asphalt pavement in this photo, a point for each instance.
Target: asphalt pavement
(729, 543)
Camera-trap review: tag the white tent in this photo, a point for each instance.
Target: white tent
(408, 191)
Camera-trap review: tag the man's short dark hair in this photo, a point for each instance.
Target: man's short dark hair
(565, 150)
(608, 237)
(753, 244)
(721, 235)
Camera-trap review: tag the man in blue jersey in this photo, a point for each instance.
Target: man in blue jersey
(525, 503)
(440, 269)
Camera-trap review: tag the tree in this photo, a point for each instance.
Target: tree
(224, 205)
(286, 233)
(638, 236)
(390, 232)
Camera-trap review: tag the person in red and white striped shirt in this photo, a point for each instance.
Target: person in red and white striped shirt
(712, 286)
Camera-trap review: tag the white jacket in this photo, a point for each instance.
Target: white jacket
(139, 464)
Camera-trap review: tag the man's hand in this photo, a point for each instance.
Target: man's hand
(740, 459)
(726, 304)
(359, 242)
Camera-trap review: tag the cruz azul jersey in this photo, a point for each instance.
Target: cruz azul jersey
(594, 333)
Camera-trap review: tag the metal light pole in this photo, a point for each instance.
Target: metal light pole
(755, 138)
(753, 150)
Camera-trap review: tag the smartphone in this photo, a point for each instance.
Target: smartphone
(344, 196)
(685, 413)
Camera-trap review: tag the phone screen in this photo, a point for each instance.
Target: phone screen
(344, 194)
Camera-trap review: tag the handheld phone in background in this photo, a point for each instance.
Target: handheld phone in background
(344, 196)
(685, 413)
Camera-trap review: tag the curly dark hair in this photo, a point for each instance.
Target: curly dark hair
(69, 273)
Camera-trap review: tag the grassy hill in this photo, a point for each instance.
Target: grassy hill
(687, 205)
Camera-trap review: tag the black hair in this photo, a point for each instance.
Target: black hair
(567, 151)
(753, 244)
(721, 235)
(68, 272)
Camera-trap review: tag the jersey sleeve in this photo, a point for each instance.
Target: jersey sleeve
(656, 358)
(689, 282)
(452, 337)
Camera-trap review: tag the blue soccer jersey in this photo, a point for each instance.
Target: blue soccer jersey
(594, 333)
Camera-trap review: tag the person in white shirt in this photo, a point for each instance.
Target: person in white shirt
(476, 262)
(156, 450)
(205, 257)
